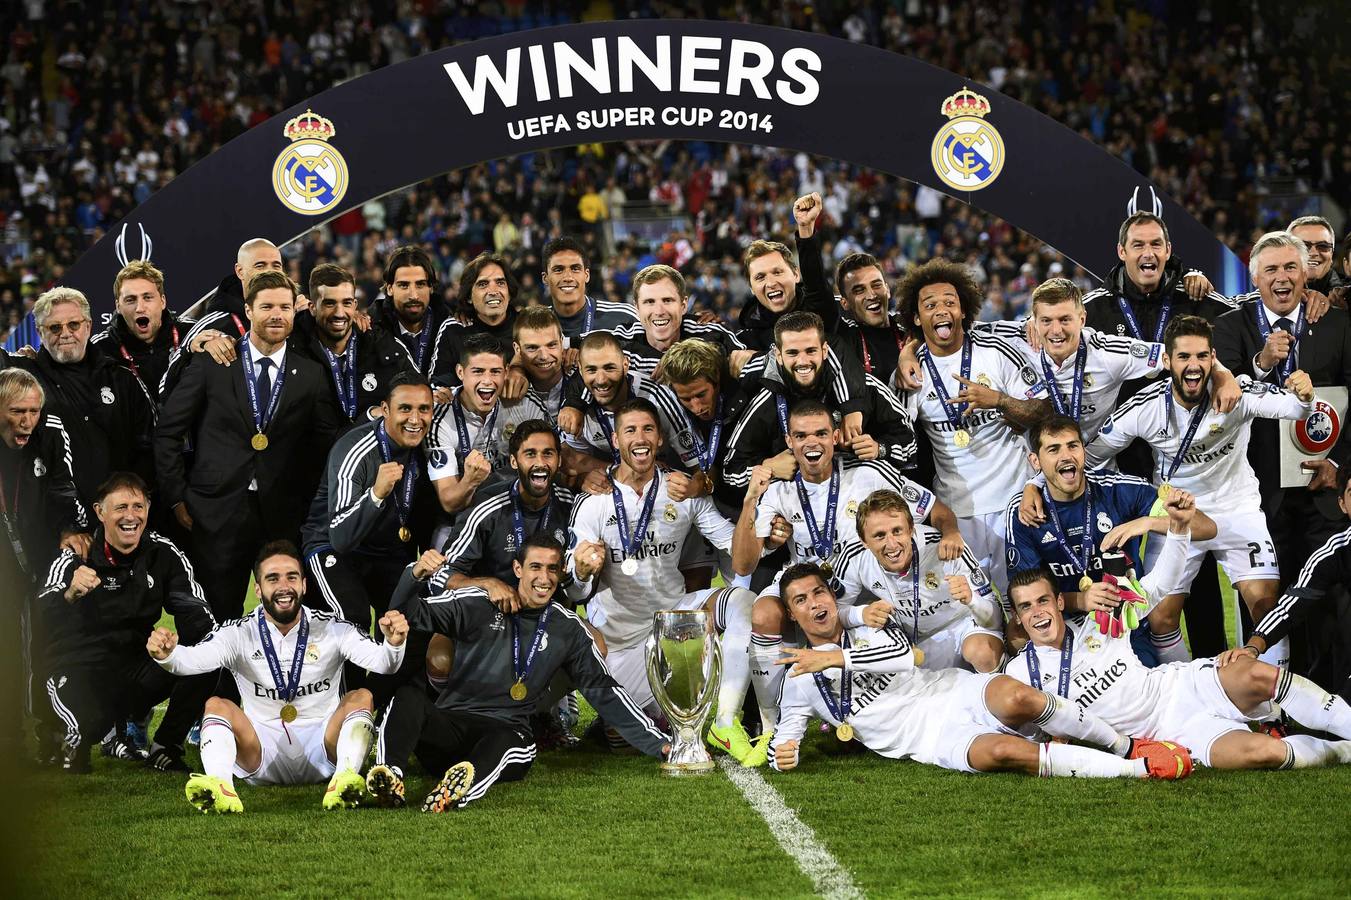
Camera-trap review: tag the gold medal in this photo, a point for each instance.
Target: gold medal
(961, 438)
(405, 534)
(827, 570)
(1085, 583)
(844, 731)
(518, 691)
(288, 713)
(259, 441)
(1164, 490)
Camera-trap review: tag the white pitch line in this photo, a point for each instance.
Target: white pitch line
(830, 879)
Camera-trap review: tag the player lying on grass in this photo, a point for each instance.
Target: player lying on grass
(1204, 704)
(864, 682)
(287, 660)
(477, 729)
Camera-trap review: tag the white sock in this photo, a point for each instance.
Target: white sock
(1311, 706)
(1169, 647)
(354, 740)
(1069, 761)
(736, 655)
(1065, 719)
(218, 749)
(766, 676)
(1278, 654)
(1303, 751)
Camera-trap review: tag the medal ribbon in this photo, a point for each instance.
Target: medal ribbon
(10, 513)
(823, 539)
(1264, 328)
(1073, 405)
(630, 541)
(464, 445)
(518, 515)
(286, 691)
(423, 337)
(1084, 558)
(1196, 416)
(707, 455)
(863, 344)
(261, 418)
(522, 672)
(1066, 655)
(840, 710)
(1165, 313)
(403, 497)
(131, 363)
(949, 409)
(347, 393)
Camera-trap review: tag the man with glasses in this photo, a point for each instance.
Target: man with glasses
(105, 409)
(1320, 240)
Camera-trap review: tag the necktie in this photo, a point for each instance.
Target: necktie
(264, 384)
(1285, 325)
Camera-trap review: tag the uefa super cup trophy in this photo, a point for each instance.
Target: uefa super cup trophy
(684, 667)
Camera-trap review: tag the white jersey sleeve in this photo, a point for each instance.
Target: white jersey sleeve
(379, 659)
(885, 651)
(218, 650)
(1121, 427)
(1267, 401)
(713, 525)
(795, 711)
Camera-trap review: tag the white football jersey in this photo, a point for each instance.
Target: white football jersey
(627, 602)
(979, 478)
(675, 425)
(863, 579)
(236, 645)
(1215, 469)
(485, 434)
(857, 481)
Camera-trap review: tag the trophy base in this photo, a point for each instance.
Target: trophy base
(677, 769)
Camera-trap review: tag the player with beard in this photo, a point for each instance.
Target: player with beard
(410, 309)
(814, 512)
(875, 332)
(97, 610)
(487, 291)
(1093, 512)
(626, 558)
(976, 396)
(661, 299)
(866, 684)
(1206, 705)
(466, 445)
(1205, 453)
(373, 509)
(565, 277)
(608, 384)
(295, 726)
(361, 363)
(537, 340)
(950, 613)
(873, 426)
(144, 334)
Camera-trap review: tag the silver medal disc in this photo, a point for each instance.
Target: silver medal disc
(629, 567)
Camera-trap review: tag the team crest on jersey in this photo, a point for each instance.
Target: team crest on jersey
(1092, 644)
(149, 580)
(1088, 380)
(312, 653)
(968, 152)
(330, 561)
(544, 642)
(984, 379)
(669, 513)
(310, 176)
(851, 508)
(508, 430)
(39, 467)
(930, 580)
(106, 395)
(369, 382)
(1104, 523)
(1215, 428)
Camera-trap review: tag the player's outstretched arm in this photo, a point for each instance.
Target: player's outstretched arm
(213, 652)
(587, 671)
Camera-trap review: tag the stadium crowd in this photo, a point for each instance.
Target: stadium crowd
(934, 487)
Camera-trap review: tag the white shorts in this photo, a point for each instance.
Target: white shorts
(984, 537)
(1242, 546)
(628, 665)
(1196, 711)
(948, 716)
(292, 754)
(943, 649)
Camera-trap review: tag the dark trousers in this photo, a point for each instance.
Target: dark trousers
(413, 723)
(223, 557)
(89, 699)
(352, 585)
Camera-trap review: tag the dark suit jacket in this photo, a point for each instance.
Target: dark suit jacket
(210, 407)
(1324, 353)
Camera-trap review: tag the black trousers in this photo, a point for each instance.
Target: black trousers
(89, 699)
(223, 558)
(352, 585)
(413, 723)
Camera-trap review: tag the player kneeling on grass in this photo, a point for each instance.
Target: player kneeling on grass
(478, 728)
(1205, 704)
(864, 682)
(287, 660)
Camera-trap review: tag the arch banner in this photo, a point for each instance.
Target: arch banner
(636, 80)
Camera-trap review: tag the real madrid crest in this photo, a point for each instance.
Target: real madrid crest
(369, 382)
(984, 379)
(930, 581)
(310, 176)
(851, 508)
(312, 653)
(1216, 428)
(669, 513)
(1088, 380)
(1092, 644)
(968, 152)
